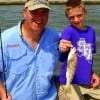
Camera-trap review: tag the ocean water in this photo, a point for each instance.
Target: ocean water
(10, 15)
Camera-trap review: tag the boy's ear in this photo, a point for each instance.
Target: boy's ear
(85, 11)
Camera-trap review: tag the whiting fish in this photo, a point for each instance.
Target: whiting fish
(71, 66)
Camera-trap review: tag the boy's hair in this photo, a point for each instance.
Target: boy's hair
(72, 4)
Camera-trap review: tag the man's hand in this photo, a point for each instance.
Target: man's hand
(8, 97)
(64, 45)
(95, 80)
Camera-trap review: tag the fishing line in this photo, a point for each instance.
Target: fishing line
(54, 43)
(3, 64)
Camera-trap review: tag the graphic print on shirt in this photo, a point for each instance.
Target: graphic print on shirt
(84, 49)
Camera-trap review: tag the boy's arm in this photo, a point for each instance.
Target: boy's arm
(3, 92)
(64, 47)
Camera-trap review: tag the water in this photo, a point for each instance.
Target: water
(11, 14)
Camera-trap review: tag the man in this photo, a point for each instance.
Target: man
(31, 54)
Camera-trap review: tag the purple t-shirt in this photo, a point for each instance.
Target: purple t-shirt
(85, 43)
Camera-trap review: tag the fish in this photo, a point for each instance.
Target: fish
(71, 68)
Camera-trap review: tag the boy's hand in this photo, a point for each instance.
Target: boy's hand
(95, 80)
(64, 45)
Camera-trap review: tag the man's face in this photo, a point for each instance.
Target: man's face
(36, 19)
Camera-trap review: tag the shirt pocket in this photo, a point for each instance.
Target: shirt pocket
(17, 61)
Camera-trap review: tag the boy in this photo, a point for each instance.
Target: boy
(83, 38)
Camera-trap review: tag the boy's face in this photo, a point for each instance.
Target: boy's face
(76, 17)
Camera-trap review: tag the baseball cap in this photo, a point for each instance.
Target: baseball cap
(36, 4)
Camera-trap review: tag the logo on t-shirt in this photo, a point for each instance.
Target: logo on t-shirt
(84, 49)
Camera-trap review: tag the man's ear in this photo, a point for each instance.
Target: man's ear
(24, 12)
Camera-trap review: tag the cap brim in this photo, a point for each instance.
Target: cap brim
(37, 7)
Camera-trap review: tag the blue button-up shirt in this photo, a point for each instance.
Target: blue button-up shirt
(29, 72)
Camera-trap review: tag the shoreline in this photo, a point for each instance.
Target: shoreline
(21, 2)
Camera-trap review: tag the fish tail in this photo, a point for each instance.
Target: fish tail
(68, 88)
